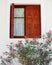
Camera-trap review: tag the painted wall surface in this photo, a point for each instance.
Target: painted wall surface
(46, 19)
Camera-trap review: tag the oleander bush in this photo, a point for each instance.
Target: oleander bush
(32, 52)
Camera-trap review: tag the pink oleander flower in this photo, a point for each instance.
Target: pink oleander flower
(32, 41)
(32, 61)
(50, 31)
(12, 51)
(7, 58)
(19, 42)
(0, 56)
(15, 44)
(9, 64)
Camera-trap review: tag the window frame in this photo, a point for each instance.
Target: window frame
(12, 22)
(12, 6)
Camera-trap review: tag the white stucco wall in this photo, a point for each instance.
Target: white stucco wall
(46, 19)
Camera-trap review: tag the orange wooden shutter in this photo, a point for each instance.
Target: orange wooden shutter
(33, 23)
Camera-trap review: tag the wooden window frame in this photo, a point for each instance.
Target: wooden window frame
(12, 20)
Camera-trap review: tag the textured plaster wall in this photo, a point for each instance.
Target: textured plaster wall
(46, 19)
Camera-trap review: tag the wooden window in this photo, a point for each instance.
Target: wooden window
(25, 21)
